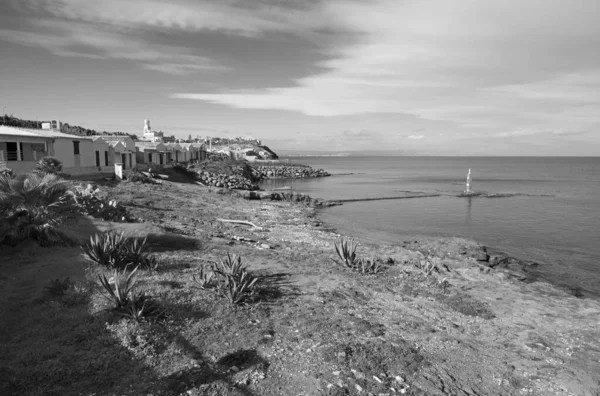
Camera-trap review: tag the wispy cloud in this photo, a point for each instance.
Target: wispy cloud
(477, 64)
(533, 132)
(79, 40)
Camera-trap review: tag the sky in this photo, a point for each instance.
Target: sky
(427, 77)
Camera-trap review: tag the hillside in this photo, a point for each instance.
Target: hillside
(10, 120)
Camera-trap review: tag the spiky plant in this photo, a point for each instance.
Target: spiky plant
(107, 249)
(121, 291)
(237, 289)
(231, 265)
(368, 266)
(346, 251)
(138, 253)
(205, 279)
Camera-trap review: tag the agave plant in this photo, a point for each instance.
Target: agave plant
(205, 279)
(120, 292)
(346, 251)
(231, 265)
(237, 289)
(138, 253)
(427, 266)
(368, 266)
(108, 250)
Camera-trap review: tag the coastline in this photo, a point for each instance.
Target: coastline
(468, 329)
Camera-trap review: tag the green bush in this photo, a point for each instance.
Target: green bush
(136, 176)
(88, 201)
(49, 165)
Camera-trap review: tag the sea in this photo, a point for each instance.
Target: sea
(544, 209)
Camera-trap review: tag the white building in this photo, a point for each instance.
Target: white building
(150, 135)
(121, 150)
(21, 148)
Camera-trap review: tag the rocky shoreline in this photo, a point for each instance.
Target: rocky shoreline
(290, 172)
(442, 316)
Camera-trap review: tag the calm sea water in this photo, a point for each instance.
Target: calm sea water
(550, 214)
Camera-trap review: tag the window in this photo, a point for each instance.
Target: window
(76, 148)
(97, 158)
(149, 157)
(106, 158)
(11, 151)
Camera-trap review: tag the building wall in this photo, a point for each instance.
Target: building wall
(64, 151)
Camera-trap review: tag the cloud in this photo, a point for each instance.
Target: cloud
(533, 132)
(416, 137)
(93, 42)
(250, 18)
(477, 64)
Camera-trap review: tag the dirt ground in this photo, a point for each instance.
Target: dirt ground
(314, 329)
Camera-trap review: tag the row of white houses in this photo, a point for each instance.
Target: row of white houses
(21, 148)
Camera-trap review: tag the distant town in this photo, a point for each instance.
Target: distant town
(85, 151)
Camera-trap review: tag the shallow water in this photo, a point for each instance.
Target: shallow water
(548, 209)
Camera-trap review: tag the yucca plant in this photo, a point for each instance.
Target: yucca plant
(205, 279)
(368, 266)
(138, 253)
(346, 251)
(107, 249)
(120, 292)
(237, 289)
(427, 266)
(231, 265)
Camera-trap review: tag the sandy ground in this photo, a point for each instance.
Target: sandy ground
(467, 330)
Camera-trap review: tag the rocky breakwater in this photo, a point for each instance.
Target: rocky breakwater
(290, 172)
(226, 181)
(288, 196)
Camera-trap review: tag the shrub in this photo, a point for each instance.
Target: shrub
(136, 176)
(115, 251)
(89, 202)
(58, 287)
(31, 206)
(49, 165)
